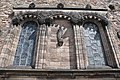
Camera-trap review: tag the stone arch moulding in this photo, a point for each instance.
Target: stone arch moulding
(74, 17)
(102, 23)
(45, 17)
(95, 16)
(22, 17)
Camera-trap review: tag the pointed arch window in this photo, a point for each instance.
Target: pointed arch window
(26, 45)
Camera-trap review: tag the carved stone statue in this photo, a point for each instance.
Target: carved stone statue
(61, 31)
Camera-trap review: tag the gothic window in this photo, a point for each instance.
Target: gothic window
(26, 45)
(95, 52)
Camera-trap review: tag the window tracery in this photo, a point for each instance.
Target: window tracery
(26, 44)
(95, 52)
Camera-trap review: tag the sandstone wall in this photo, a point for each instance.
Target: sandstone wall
(9, 35)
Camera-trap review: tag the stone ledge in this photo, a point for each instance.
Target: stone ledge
(72, 73)
(54, 8)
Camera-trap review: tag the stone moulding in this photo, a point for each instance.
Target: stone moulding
(94, 73)
(75, 16)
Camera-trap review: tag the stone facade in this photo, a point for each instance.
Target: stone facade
(52, 57)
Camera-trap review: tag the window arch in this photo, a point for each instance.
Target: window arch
(26, 45)
(95, 52)
(99, 51)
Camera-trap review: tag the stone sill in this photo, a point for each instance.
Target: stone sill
(72, 73)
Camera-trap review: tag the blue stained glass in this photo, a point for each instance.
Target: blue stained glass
(26, 44)
(93, 45)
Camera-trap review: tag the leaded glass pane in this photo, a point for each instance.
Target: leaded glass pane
(93, 45)
(26, 44)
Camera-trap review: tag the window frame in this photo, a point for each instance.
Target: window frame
(109, 57)
(34, 54)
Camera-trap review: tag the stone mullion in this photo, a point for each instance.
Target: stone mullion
(77, 47)
(48, 33)
(80, 54)
(80, 44)
(41, 48)
(84, 51)
(40, 53)
(38, 64)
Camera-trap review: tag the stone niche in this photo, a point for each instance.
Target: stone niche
(63, 56)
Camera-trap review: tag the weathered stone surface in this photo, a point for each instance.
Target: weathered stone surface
(50, 56)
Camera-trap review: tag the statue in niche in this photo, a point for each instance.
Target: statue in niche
(60, 33)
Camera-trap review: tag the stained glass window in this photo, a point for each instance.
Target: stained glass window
(95, 52)
(26, 44)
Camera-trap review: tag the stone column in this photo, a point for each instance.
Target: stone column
(79, 44)
(84, 49)
(41, 50)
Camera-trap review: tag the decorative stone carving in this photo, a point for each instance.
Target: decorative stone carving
(48, 21)
(88, 6)
(32, 5)
(60, 5)
(97, 17)
(46, 17)
(11, 15)
(112, 7)
(60, 34)
(15, 21)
